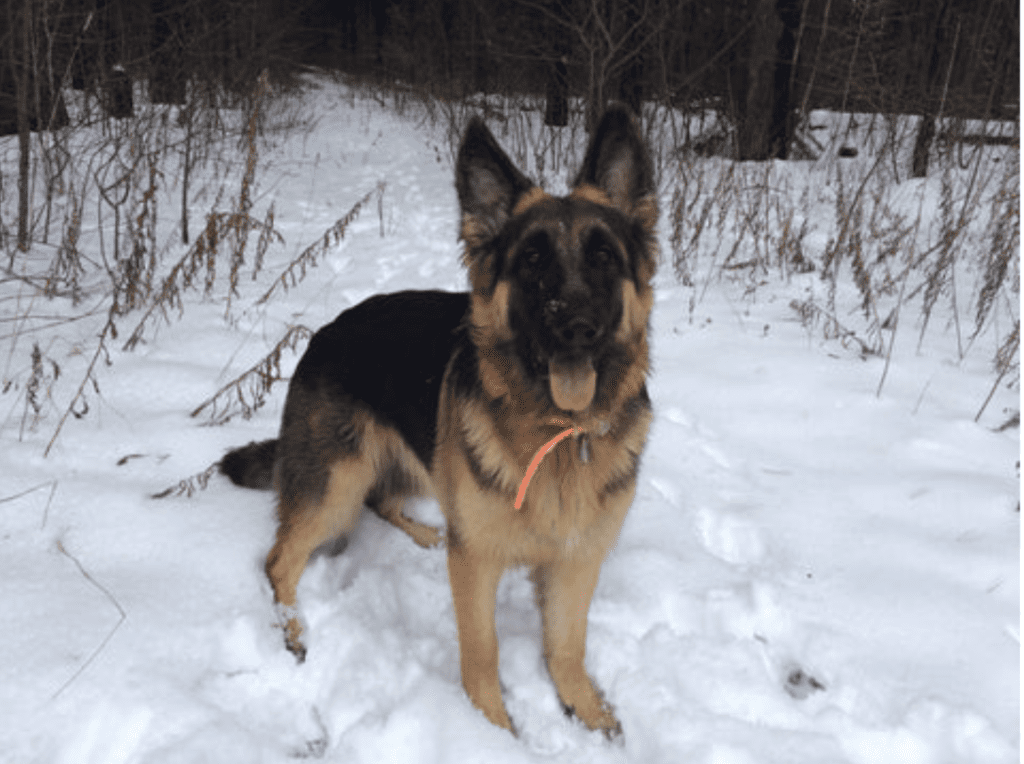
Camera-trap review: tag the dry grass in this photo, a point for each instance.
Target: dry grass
(110, 181)
(869, 250)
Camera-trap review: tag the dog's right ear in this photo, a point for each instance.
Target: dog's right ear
(488, 184)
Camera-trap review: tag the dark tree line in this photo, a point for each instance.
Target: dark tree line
(764, 63)
(104, 46)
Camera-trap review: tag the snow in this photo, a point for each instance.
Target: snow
(811, 572)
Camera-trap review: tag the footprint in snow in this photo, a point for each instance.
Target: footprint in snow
(730, 538)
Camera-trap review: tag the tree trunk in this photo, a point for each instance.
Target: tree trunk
(595, 101)
(117, 92)
(24, 142)
(167, 76)
(784, 115)
(922, 145)
(934, 40)
(477, 51)
(556, 112)
(755, 115)
(631, 81)
(631, 86)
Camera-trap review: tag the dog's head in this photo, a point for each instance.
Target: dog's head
(561, 289)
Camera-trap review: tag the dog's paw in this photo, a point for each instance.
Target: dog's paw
(499, 717)
(291, 625)
(599, 716)
(293, 640)
(427, 536)
(584, 701)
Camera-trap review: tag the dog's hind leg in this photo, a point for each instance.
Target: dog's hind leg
(304, 528)
(390, 509)
(402, 478)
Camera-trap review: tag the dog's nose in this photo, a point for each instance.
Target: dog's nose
(580, 332)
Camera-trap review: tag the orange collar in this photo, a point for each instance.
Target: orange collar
(571, 429)
(535, 462)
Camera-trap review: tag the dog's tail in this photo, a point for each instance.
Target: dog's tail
(251, 466)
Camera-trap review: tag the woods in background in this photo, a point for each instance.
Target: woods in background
(762, 65)
(764, 62)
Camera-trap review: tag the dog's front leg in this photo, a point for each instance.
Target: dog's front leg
(564, 589)
(474, 580)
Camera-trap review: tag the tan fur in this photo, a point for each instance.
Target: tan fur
(646, 211)
(534, 196)
(564, 591)
(636, 310)
(474, 233)
(425, 535)
(489, 315)
(591, 194)
(474, 581)
(303, 529)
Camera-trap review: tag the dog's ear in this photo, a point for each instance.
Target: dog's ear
(488, 184)
(618, 163)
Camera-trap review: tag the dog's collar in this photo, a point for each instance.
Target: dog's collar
(586, 425)
(601, 429)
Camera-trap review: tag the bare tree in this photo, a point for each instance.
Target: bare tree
(21, 69)
(556, 113)
(938, 60)
(607, 37)
(753, 93)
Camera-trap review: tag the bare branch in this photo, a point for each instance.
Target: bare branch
(99, 648)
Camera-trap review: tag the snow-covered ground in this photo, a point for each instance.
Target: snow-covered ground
(810, 574)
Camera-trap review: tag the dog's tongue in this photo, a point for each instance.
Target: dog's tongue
(572, 385)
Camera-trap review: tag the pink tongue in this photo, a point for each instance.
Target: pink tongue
(572, 385)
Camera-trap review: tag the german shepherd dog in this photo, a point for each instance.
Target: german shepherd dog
(460, 396)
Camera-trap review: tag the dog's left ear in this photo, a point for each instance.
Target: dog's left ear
(618, 163)
(488, 184)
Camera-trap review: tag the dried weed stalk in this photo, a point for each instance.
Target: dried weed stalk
(79, 405)
(296, 269)
(189, 486)
(1001, 257)
(134, 282)
(1007, 360)
(201, 260)
(248, 392)
(67, 266)
(813, 315)
(44, 372)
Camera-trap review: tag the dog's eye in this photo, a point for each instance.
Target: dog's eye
(531, 257)
(603, 255)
